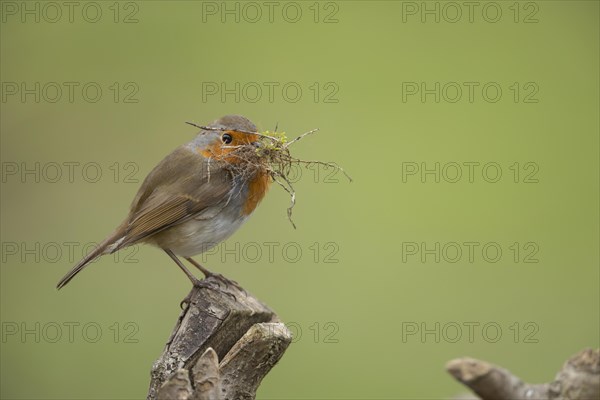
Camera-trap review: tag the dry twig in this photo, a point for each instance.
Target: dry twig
(274, 157)
(579, 379)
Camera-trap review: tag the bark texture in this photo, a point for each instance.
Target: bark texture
(223, 345)
(579, 379)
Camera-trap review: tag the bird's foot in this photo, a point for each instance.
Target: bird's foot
(218, 277)
(198, 283)
(226, 281)
(212, 285)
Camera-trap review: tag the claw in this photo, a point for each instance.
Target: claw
(198, 283)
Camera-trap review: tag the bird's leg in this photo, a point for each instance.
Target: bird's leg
(195, 281)
(206, 272)
(209, 274)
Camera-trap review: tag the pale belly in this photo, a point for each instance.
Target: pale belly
(197, 235)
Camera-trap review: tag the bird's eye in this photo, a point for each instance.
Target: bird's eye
(227, 138)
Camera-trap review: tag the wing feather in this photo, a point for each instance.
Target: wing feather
(168, 197)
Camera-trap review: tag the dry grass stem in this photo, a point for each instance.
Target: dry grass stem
(273, 156)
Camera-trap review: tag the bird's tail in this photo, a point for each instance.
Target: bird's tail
(107, 246)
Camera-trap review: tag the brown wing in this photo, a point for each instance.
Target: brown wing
(180, 187)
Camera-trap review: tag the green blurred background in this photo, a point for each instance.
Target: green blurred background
(352, 318)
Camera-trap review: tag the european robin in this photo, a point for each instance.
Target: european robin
(196, 197)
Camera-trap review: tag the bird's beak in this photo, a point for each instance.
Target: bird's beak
(258, 145)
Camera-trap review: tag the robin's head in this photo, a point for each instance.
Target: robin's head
(233, 122)
(226, 137)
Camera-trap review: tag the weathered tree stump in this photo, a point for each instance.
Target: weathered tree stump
(579, 379)
(223, 345)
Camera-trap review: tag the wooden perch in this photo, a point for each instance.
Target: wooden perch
(223, 345)
(579, 379)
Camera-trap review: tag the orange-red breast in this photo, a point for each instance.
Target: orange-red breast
(193, 199)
